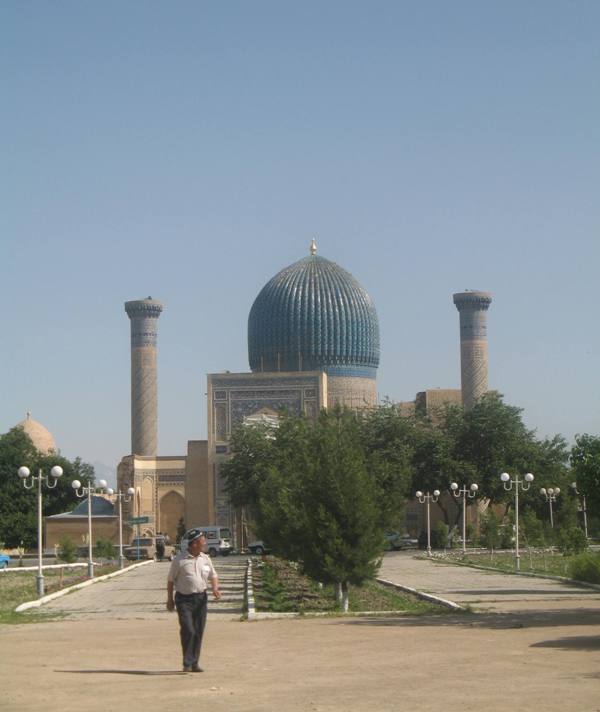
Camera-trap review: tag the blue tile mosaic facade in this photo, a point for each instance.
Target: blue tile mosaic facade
(313, 315)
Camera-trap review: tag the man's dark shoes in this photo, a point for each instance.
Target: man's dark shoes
(197, 668)
(187, 668)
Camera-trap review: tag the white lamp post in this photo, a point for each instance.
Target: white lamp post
(81, 492)
(582, 507)
(525, 484)
(464, 492)
(120, 497)
(25, 473)
(427, 498)
(550, 495)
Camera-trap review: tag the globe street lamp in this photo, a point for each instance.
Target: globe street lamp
(81, 492)
(464, 492)
(583, 508)
(550, 495)
(120, 497)
(427, 498)
(24, 473)
(525, 484)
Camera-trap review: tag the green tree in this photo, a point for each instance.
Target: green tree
(319, 504)
(492, 438)
(585, 464)
(343, 506)
(18, 506)
(252, 455)
(67, 550)
(280, 512)
(388, 443)
(490, 530)
(435, 461)
(533, 529)
(479, 444)
(571, 540)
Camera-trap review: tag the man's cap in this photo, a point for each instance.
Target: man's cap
(194, 534)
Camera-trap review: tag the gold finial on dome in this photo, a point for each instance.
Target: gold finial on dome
(313, 247)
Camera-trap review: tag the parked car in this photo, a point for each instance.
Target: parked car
(394, 541)
(258, 547)
(408, 542)
(4, 561)
(146, 548)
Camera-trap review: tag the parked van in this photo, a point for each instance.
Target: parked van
(218, 540)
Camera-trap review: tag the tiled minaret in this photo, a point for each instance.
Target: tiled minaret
(143, 314)
(472, 307)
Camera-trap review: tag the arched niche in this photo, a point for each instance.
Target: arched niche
(171, 509)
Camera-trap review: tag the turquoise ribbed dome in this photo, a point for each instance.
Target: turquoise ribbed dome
(313, 315)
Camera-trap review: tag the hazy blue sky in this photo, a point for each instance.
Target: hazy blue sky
(190, 150)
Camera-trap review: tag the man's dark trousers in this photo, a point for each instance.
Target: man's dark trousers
(191, 610)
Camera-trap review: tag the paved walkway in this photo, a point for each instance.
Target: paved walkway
(485, 590)
(141, 594)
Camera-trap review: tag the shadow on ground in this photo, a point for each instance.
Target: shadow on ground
(124, 672)
(514, 592)
(496, 621)
(582, 642)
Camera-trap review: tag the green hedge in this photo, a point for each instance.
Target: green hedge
(585, 567)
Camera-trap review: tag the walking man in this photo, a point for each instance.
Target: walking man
(189, 575)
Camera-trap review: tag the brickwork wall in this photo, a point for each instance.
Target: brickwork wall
(76, 529)
(199, 485)
(351, 391)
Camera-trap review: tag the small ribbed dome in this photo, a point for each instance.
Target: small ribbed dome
(314, 315)
(40, 436)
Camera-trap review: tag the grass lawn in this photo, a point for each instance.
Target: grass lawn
(18, 587)
(532, 561)
(280, 587)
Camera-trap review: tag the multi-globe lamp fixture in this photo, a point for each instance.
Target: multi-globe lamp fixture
(29, 481)
(90, 490)
(121, 497)
(510, 484)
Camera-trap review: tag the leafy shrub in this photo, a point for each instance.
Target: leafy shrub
(571, 540)
(532, 529)
(439, 536)
(585, 567)
(104, 549)
(67, 550)
(471, 534)
(507, 536)
(490, 531)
